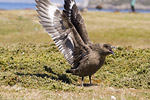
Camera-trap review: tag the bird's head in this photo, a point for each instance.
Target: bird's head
(106, 49)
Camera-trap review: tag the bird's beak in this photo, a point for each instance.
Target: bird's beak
(112, 47)
(112, 52)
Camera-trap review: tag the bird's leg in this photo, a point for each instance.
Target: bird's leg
(90, 80)
(82, 80)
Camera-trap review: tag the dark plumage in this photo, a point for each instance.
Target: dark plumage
(68, 31)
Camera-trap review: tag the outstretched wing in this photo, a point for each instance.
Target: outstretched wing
(62, 32)
(74, 15)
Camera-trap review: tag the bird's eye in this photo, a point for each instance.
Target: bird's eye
(106, 46)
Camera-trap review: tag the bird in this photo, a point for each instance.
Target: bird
(67, 29)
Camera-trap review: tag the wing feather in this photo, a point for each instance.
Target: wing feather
(60, 29)
(74, 15)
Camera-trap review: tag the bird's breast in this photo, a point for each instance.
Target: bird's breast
(95, 63)
(90, 65)
(94, 58)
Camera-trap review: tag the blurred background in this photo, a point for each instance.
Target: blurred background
(92, 5)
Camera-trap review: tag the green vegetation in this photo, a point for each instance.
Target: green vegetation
(34, 66)
(38, 66)
(128, 68)
(31, 66)
(43, 67)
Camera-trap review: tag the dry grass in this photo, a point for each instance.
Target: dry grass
(123, 29)
(86, 93)
(21, 26)
(126, 29)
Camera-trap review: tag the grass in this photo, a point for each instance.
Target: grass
(119, 29)
(21, 27)
(96, 93)
(31, 68)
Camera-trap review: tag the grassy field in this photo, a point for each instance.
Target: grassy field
(119, 29)
(31, 68)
